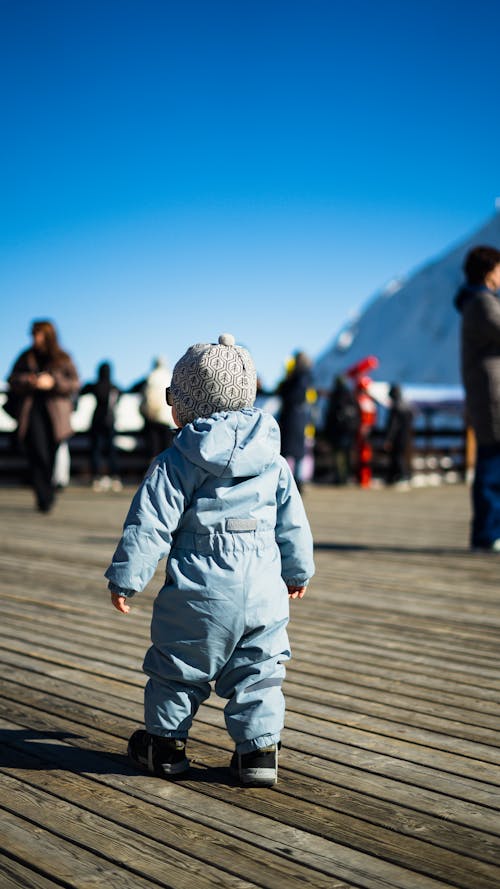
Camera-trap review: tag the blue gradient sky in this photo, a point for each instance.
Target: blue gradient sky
(172, 170)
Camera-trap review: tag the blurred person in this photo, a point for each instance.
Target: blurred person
(159, 426)
(341, 423)
(103, 457)
(45, 380)
(398, 435)
(294, 412)
(367, 419)
(479, 306)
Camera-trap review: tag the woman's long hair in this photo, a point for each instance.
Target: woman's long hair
(51, 351)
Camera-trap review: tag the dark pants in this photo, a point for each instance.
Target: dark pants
(486, 497)
(397, 468)
(102, 451)
(40, 450)
(342, 460)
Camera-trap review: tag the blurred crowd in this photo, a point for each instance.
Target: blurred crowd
(44, 390)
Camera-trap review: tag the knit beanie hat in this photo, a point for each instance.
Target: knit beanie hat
(213, 377)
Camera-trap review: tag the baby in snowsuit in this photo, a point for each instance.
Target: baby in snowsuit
(222, 507)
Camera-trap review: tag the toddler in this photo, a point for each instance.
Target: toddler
(222, 507)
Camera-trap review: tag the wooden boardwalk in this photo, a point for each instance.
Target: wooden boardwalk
(389, 775)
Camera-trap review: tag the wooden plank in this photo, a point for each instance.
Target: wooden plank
(337, 773)
(302, 634)
(15, 874)
(375, 686)
(105, 835)
(362, 738)
(386, 640)
(366, 741)
(461, 672)
(360, 808)
(449, 754)
(352, 832)
(422, 633)
(396, 673)
(454, 724)
(391, 746)
(178, 837)
(427, 774)
(61, 614)
(261, 828)
(67, 864)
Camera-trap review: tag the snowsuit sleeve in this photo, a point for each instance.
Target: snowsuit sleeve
(153, 517)
(293, 534)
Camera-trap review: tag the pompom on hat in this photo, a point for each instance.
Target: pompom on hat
(212, 377)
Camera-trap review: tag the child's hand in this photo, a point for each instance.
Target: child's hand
(120, 603)
(296, 592)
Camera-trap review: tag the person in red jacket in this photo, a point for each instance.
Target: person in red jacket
(367, 417)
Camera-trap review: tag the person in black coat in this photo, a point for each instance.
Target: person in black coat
(102, 428)
(341, 424)
(479, 305)
(294, 413)
(398, 436)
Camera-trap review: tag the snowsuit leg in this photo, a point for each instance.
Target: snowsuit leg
(252, 680)
(221, 616)
(170, 705)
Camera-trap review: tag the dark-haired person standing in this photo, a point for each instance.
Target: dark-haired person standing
(44, 379)
(102, 429)
(294, 413)
(398, 434)
(479, 305)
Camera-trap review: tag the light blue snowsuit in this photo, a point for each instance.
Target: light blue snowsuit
(222, 506)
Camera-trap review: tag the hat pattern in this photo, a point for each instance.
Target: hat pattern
(213, 377)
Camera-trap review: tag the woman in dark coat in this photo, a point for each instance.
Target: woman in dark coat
(479, 305)
(45, 380)
(294, 413)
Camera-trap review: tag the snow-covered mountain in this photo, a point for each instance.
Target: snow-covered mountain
(411, 326)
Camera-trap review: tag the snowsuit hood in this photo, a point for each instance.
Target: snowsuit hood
(231, 444)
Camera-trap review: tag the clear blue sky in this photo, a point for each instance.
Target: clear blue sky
(172, 170)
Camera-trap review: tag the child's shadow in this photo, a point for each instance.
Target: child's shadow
(53, 750)
(209, 775)
(46, 750)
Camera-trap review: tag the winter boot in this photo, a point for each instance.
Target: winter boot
(165, 757)
(259, 768)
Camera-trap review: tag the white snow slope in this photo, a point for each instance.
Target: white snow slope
(413, 328)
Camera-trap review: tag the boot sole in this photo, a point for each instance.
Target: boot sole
(256, 777)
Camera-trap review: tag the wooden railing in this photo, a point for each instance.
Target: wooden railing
(439, 452)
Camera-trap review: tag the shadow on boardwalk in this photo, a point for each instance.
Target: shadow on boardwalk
(389, 775)
(319, 546)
